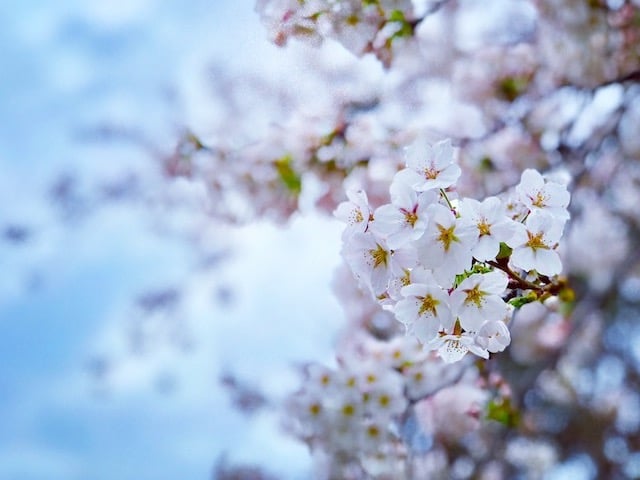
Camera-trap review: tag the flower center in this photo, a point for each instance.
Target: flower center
(348, 410)
(429, 304)
(475, 296)
(410, 217)
(447, 236)
(535, 241)
(373, 431)
(379, 256)
(484, 228)
(314, 409)
(539, 200)
(431, 173)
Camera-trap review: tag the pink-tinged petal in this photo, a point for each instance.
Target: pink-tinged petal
(491, 207)
(423, 275)
(418, 154)
(442, 153)
(494, 336)
(402, 259)
(558, 195)
(425, 199)
(452, 351)
(471, 318)
(406, 311)
(486, 249)
(523, 258)
(402, 195)
(548, 262)
(479, 351)
(554, 231)
(409, 177)
(415, 289)
(358, 197)
(494, 308)
(379, 280)
(447, 177)
(503, 229)
(519, 236)
(494, 282)
(426, 329)
(388, 219)
(531, 180)
(403, 237)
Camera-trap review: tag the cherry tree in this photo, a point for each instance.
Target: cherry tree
(484, 160)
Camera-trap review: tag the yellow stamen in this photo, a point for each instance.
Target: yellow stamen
(411, 218)
(539, 201)
(484, 228)
(379, 256)
(431, 173)
(447, 237)
(535, 241)
(429, 304)
(474, 295)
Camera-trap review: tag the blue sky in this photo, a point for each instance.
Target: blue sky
(65, 294)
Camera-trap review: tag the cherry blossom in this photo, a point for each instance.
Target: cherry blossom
(479, 298)
(538, 195)
(424, 310)
(446, 245)
(491, 222)
(355, 212)
(374, 263)
(534, 244)
(429, 166)
(405, 219)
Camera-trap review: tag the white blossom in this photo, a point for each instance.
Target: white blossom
(355, 212)
(405, 219)
(534, 244)
(539, 195)
(430, 166)
(446, 245)
(492, 225)
(478, 298)
(424, 310)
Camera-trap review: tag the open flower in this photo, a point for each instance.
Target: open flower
(493, 336)
(424, 310)
(374, 263)
(355, 212)
(429, 166)
(446, 245)
(453, 347)
(534, 244)
(478, 298)
(405, 218)
(539, 195)
(491, 223)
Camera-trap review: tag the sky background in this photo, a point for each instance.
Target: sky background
(67, 288)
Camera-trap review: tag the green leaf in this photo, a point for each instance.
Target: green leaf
(518, 302)
(288, 175)
(505, 251)
(502, 411)
(406, 29)
(512, 87)
(481, 268)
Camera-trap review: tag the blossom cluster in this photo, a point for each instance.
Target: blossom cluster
(446, 266)
(361, 26)
(353, 414)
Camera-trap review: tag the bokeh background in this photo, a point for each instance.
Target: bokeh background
(129, 326)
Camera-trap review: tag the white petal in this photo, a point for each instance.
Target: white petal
(486, 249)
(523, 258)
(548, 262)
